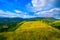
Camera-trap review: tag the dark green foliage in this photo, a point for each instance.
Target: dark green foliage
(2, 37)
(56, 24)
(12, 22)
(11, 26)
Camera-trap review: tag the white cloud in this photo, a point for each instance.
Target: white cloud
(6, 14)
(10, 14)
(39, 3)
(16, 14)
(52, 1)
(18, 11)
(28, 16)
(55, 12)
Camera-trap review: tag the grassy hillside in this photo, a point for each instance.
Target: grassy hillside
(32, 30)
(36, 30)
(56, 24)
(7, 36)
(11, 23)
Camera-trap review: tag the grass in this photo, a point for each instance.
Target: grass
(37, 30)
(33, 30)
(56, 24)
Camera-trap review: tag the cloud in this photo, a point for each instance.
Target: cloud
(24, 14)
(28, 16)
(6, 14)
(39, 3)
(55, 12)
(17, 13)
(20, 12)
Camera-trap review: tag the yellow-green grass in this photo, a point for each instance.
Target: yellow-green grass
(7, 35)
(56, 24)
(33, 30)
(36, 30)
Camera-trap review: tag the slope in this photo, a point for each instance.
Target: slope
(36, 30)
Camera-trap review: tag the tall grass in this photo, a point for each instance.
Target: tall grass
(33, 30)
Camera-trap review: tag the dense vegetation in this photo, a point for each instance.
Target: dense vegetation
(35, 30)
(30, 29)
(9, 24)
(56, 24)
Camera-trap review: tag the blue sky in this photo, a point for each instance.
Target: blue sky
(30, 8)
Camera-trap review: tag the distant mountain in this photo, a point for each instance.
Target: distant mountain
(11, 19)
(12, 22)
(42, 18)
(26, 19)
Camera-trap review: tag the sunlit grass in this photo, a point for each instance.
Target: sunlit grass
(37, 30)
(56, 24)
(33, 30)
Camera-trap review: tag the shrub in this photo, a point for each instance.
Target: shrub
(56, 24)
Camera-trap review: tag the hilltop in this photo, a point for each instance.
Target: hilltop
(36, 30)
(32, 30)
(12, 22)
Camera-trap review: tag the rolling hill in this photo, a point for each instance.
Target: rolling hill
(36, 30)
(32, 30)
(12, 22)
(56, 24)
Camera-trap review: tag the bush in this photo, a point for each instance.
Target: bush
(56, 24)
(2, 37)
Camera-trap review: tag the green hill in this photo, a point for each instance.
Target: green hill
(32, 30)
(12, 22)
(36, 30)
(56, 24)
